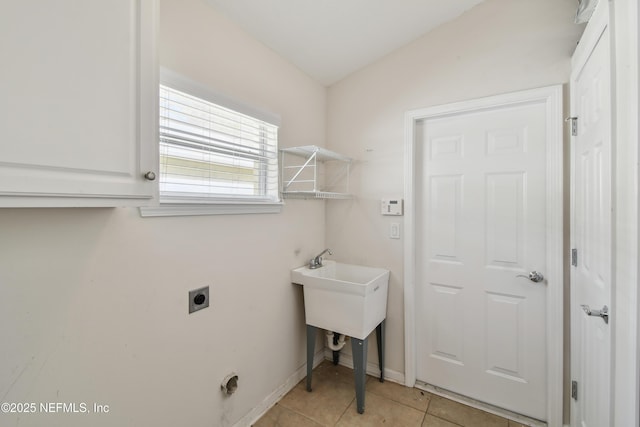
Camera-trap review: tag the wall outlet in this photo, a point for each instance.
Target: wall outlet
(198, 299)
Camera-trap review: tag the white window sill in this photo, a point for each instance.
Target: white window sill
(178, 209)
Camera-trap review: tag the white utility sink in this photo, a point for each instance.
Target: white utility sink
(344, 298)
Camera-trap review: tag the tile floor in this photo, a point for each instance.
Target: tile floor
(332, 403)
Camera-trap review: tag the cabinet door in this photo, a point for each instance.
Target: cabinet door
(78, 102)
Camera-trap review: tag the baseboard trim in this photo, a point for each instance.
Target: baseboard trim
(373, 369)
(256, 413)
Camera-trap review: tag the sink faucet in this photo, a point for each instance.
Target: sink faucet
(316, 262)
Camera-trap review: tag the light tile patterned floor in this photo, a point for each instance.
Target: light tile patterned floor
(332, 403)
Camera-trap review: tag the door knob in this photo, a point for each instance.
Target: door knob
(534, 276)
(604, 313)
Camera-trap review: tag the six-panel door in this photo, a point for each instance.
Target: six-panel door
(481, 223)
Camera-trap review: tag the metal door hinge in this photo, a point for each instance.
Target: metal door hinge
(574, 125)
(574, 257)
(574, 390)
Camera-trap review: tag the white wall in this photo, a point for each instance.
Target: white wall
(93, 302)
(499, 46)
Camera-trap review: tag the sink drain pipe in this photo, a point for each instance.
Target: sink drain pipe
(335, 342)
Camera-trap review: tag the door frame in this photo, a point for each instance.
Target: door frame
(551, 96)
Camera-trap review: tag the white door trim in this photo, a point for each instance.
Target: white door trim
(552, 96)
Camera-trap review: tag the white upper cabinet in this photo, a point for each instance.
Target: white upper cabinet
(78, 102)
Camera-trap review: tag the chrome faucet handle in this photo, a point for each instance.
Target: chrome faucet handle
(316, 261)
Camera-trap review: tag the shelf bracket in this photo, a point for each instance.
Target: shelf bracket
(311, 157)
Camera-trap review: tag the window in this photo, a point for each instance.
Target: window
(214, 158)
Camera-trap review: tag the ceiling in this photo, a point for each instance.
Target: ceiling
(329, 39)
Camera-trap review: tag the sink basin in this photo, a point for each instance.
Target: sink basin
(344, 298)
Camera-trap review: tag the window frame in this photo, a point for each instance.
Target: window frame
(215, 205)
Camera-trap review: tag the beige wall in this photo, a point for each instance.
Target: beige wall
(93, 302)
(497, 47)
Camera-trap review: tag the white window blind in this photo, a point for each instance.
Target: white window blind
(212, 154)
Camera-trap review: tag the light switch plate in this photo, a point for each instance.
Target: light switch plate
(394, 230)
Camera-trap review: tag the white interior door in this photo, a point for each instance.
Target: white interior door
(591, 225)
(481, 229)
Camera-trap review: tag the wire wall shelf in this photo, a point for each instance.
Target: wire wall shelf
(312, 172)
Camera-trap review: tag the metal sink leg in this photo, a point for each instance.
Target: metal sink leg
(311, 345)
